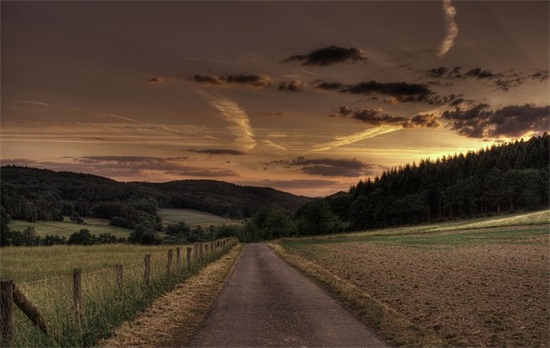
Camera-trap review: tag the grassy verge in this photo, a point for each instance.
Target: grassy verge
(104, 308)
(389, 324)
(521, 220)
(172, 319)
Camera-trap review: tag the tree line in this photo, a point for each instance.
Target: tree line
(499, 179)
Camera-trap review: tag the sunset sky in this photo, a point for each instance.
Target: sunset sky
(305, 97)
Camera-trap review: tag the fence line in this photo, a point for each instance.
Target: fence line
(11, 294)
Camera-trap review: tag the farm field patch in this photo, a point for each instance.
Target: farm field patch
(66, 228)
(482, 287)
(192, 217)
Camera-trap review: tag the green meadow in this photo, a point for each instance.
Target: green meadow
(66, 228)
(192, 217)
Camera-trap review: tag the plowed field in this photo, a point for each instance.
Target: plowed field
(470, 288)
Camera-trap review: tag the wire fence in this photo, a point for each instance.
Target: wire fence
(83, 308)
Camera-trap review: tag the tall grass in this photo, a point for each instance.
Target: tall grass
(104, 308)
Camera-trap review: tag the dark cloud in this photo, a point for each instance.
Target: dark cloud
(292, 86)
(512, 121)
(327, 167)
(401, 91)
(252, 80)
(503, 80)
(456, 73)
(480, 73)
(516, 80)
(219, 152)
(329, 55)
(378, 118)
(329, 86)
(422, 120)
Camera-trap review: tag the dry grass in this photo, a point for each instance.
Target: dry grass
(173, 318)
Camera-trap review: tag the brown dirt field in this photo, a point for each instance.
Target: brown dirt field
(478, 294)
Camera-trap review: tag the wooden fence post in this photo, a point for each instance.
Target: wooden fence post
(178, 257)
(118, 271)
(77, 294)
(200, 250)
(6, 313)
(206, 248)
(169, 264)
(30, 310)
(211, 247)
(189, 250)
(147, 272)
(195, 251)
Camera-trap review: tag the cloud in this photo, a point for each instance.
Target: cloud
(273, 145)
(127, 167)
(456, 73)
(355, 137)
(401, 91)
(329, 55)
(327, 167)
(507, 83)
(512, 121)
(239, 122)
(451, 27)
(219, 152)
(252, 80)
(329, 86)
(159, 80)
(292, 86)
(377, 117)
(502, 80)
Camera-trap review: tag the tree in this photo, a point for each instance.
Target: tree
(316, 217)
(82, 237)
(5, 233)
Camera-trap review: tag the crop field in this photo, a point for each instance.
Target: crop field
(44, 275)
(66, 228)
(480, 285)
(192, 217)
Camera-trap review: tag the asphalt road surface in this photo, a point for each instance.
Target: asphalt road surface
(266, 303)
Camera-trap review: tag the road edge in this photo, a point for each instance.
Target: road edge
(173, 318)
(391, 326)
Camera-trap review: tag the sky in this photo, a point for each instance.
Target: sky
(307, 97)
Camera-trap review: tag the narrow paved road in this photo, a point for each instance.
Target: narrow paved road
(266, 303)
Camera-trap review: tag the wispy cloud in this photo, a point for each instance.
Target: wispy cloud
(238, 119)
(451, 27)
(220, 152)
(273, 145)
(327, 166)
(128, 167)
(355, 137)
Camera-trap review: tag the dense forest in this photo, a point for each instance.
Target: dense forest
(503, 178)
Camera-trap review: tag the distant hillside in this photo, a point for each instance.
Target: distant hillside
(38, 194)
(222, 198)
